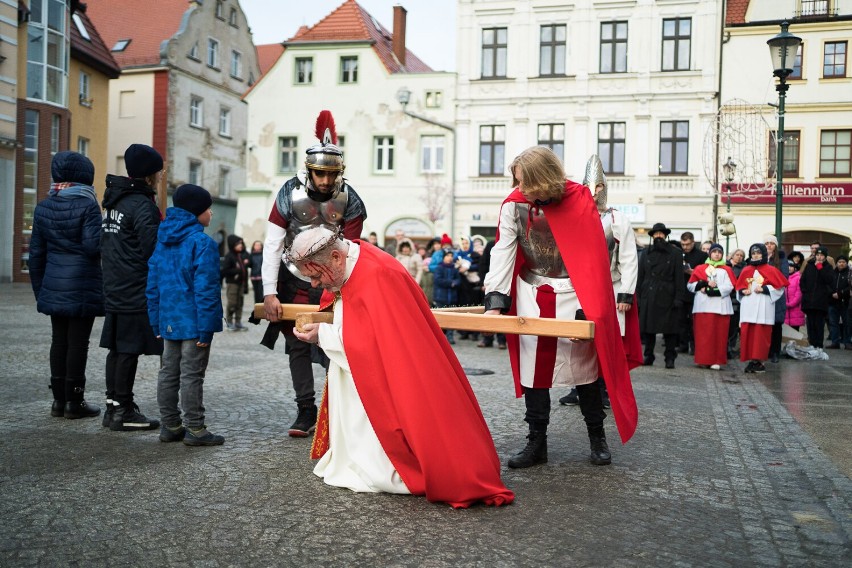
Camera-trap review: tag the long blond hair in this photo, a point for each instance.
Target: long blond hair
(544, 177)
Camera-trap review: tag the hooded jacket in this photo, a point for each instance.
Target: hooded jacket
(128, 238)
(234, 270)
(184, 300)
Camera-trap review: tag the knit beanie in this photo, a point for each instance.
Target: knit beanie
(142, 161)
(770, 239)
(72, 167)
(716, 246)
(446, 240)
(192, 198)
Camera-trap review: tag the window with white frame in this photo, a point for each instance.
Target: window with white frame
(196, 112)
(304, 70)
(552, 136)
(288, 154)
(236, 64)
(492, 150)
(85, 85)
(434, 99)
(834, 60)
(432, 154)
(349, 69)
(224, 121)
(677, 42)
(220, 9)
(797, 64)
(213, 53)
(83, 146)
(791, 154)
(814, 7)
(193, 52)
(195, 172)
(494, 50)
(232, 17)
(674, 146)
(611, 144)
(613, 47)
(55, 134)
(383, 154)
(835, 153)
(30, 178)
(552, 49)
(47, 51)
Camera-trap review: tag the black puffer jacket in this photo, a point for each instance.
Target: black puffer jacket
(65, 267)
(128, 238)
(817, 284)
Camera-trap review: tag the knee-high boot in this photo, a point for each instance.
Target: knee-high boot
(75, 406)
(57, 385)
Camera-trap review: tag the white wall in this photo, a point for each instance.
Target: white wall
(132, 123)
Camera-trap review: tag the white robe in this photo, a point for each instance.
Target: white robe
(721, 305)
(355, 459)
(759, 308)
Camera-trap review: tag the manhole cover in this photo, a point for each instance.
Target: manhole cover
(471, 372)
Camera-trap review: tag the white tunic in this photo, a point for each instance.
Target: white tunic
(355, 459)
(721, 305)
(625, 271)
(759, 308)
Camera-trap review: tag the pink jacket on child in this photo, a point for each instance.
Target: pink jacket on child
(795, 316)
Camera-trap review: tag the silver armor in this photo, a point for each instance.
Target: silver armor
(595, 177)
(544, 263)
(607, 219)
(306, 213)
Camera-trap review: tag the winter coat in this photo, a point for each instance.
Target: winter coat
(695, 258)
(446, 285)
(660, 289)
(841, 288)
(795, 316)
(256, 265)
(184, 297)
(737, 268)
(412, 262)
(234, 269)
(817, 286)
(65, 258)
(780, 305)
(128, 238)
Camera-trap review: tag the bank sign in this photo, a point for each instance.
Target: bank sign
(800, 193)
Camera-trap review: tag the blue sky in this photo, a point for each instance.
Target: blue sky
(430, 29)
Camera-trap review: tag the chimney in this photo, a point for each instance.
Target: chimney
(399, 33)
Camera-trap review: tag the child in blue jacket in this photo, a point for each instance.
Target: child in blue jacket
(185, 309)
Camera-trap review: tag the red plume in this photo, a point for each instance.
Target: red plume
(325, 131)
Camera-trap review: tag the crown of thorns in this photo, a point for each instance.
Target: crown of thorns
(315, 248)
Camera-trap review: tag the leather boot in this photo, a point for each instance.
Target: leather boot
(600, 450)
(75, 406)
(535, 451)
(57, 385)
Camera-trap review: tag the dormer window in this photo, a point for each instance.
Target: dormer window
(81, 27)
(120, 45)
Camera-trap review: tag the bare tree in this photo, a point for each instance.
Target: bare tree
(436, 198)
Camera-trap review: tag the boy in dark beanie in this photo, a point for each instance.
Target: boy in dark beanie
(128, 238)
(185, 309)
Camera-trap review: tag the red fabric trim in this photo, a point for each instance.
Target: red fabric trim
(711, 338)
(545, 350)
(576, 226)
(771, 276)
(426, 417)
(700, 273)
(276, 219)
(754, 341)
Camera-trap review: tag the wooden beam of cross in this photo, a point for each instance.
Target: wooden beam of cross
(460, 318)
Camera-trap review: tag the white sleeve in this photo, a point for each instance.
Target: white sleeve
(628, 257)
(723, 282)
(499, 277)
(272, 249)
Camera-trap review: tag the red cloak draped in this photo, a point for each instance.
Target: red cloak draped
(771, 276)
(700, 273)
(576, 226)
(422, 409)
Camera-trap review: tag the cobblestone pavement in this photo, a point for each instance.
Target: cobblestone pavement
(720, 473)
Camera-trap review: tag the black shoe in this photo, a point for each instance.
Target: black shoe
(534, 453)
(605, 400)
(759, 367)
(570, 399)
(683, 349)
(80, 409)
(669, 363)
(648, 361)
(109, 412)
(202, 437)
(599, 450)
(774, 357)
(749, 368)
(833, 346)
(172, 434)
(128, 418)
(305, 423)
(57, 409)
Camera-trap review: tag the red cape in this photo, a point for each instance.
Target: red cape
(423, 410)
(771, 276)
(576, 226)
(700, 273)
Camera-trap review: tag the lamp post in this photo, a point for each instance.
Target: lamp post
(730, 168)
(783, 49)
(403, 96)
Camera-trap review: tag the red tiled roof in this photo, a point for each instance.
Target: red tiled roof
(146, 24)
(351, 22)
(92, 51)
(267, 55)
(736, 11)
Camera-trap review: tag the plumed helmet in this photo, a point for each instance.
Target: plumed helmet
(327, 155)
(594, 177)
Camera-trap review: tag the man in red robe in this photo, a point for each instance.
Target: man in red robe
(404, 427)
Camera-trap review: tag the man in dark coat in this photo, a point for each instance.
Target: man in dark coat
(661, 290)
(839, 328)
(817, 284)
(693, 257)
(128, 239)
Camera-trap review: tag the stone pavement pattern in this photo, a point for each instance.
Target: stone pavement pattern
(718, 474)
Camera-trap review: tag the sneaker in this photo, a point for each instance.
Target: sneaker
(172, 433)
(240, 327)
(501, 346)
(230, 327)
(202, 437)
(305, 422)
(715, 367)
(127, 419)
(605, 400)
(759, 367)
(570, 399)
(749, 368)
(109, 412)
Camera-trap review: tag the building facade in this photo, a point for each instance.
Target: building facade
(817, 180)
(12, 15)
(348, 63)
(635, 82)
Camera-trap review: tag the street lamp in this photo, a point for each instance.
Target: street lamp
(727, 220)
(782, 48)
(403, 96)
